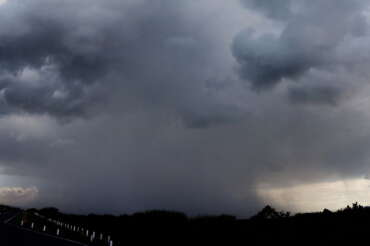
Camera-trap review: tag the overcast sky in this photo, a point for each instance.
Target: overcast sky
(201, 106)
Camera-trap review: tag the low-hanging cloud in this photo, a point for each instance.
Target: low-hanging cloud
(315, 34)
(63, 64)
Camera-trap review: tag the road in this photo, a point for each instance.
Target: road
(11, 235)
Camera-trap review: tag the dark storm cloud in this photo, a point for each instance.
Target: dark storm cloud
(279, 9)
(123, 45)
(53, 99)
(265, 61)
(312, 36)
(157, 116)
(135, 70)
(316, 95)
(61, 74)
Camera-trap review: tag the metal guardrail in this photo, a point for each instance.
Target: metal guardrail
(57, 229)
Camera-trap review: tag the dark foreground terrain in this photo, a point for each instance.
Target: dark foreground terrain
(13, 235)
(39, 227)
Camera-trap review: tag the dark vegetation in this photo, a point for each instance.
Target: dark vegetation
(349, 225)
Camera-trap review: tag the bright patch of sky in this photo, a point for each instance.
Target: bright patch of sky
(316, 196)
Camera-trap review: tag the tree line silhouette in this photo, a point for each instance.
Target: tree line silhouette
(350, 224)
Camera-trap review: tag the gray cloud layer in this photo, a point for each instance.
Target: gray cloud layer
(131, 105)
(122, 45)
(315, 34)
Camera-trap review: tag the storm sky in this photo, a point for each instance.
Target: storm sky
(201, 106)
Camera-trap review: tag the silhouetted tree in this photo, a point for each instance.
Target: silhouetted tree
(268, 212)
